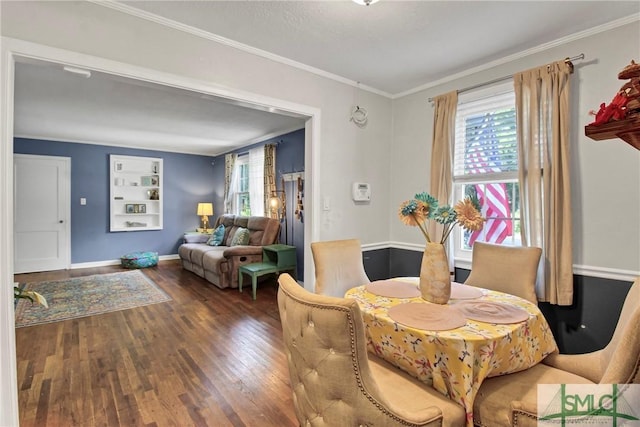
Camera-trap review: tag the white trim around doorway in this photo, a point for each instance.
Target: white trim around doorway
(14, 50)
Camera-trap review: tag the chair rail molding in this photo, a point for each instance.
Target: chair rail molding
(578, 269)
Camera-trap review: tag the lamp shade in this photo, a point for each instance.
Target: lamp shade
(205, 209)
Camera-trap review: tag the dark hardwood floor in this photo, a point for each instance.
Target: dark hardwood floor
(209, 357)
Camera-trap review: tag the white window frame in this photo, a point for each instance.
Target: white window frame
(242, 160)
(462, 256)
(253, 161)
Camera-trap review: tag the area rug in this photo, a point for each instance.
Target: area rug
(87, 296)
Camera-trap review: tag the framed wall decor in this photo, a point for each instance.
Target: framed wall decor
(129, 208)
(142, 208)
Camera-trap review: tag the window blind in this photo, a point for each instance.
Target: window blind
(486, 136)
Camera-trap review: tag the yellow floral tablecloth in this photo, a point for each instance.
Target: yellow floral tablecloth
(455, 362)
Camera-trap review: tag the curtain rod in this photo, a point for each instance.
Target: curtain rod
(466, 89)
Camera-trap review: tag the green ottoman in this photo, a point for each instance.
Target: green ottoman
(139, 259)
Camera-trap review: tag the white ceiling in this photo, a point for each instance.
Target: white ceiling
(53, 104)
(391, 48)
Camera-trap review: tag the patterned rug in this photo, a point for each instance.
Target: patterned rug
(88, 296)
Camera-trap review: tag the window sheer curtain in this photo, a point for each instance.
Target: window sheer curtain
(256, 181)
(444, 133)
(230, 176)
(269, 176)
(543, 122)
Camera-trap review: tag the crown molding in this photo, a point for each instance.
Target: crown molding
(129, 10)
(540, 48)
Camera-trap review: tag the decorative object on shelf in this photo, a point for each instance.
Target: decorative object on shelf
(435, 279)
(204, 211)
(153, 194)
(129, 208)
(135, 224)
(621, 118)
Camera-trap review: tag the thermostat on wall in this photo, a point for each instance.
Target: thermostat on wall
(361, 192)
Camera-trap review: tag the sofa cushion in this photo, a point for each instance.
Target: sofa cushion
(264, 231)
(212, 260)
(217, 236)
(241, 237)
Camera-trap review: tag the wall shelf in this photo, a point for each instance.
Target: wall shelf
(628, 130)
(135, 193)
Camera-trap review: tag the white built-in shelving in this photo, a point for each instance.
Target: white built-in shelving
(136, 193)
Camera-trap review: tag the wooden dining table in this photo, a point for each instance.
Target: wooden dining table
(454, 360)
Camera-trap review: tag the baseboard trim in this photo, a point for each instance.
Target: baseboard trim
(116, 262)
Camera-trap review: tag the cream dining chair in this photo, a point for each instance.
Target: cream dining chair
(509, 269)
(511, 400)
(338, 265)
(335, 382)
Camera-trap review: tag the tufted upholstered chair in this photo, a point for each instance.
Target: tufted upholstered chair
(335, 383)
(511, 400)
(338, 265)
(508, 269)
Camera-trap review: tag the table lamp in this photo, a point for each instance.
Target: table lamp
(204, 210)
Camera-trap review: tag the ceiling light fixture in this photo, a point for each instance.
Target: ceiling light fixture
(79, 71)
(365, 2)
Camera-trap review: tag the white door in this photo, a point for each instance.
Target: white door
(41, 213)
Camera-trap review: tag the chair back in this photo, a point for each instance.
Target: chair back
(508, 269)
(338, 265)
(326, 351)
(622, 355)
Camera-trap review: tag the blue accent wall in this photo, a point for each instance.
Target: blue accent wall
(289, 158)
(188, 179)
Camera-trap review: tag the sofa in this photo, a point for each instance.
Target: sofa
(219, 264)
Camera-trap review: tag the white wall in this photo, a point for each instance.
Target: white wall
(605, 174)
(347, 153)
(358, 154)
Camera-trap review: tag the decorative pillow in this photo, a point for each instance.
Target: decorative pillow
(241, 237)
(216, 236)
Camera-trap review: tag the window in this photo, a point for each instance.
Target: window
(247, 186)
(242, 195)
(486, 166)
